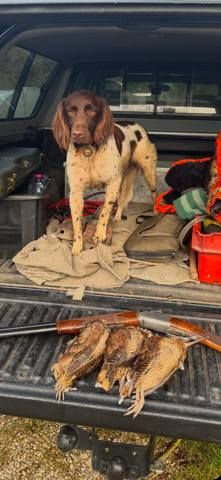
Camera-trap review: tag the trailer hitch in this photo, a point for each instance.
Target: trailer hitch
(117, 461)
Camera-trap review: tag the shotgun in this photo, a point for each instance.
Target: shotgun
(158, 322)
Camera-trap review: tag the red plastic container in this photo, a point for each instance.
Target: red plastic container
(208, 247)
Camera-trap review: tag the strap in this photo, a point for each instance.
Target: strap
(143, 216)
(185, 230)
(146, 221)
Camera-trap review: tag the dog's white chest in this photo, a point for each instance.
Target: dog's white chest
(91, 166)
(103, 168)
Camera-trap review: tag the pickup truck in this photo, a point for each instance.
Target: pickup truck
(157, 63)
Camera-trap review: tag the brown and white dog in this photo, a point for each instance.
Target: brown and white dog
(101, 152)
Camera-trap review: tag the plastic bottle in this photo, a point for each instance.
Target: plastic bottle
(38, 184)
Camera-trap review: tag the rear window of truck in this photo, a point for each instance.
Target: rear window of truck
(155, 91)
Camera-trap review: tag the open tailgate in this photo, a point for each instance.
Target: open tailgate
(188, 406)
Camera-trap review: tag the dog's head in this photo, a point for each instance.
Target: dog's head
(83, 119)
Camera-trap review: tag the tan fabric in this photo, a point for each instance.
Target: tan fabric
(171, 273)
(49, 260)
(76, 293)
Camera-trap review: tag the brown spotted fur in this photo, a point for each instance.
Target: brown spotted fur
(118, 152)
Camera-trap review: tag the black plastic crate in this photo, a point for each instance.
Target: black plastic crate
(23, 218)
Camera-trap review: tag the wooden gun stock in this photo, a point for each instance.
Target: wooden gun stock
(207, 337)
(74, 326)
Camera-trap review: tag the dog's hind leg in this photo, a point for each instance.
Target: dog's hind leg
(126, 190)
(145, 156)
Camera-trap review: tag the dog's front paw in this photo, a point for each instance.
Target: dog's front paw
(118, 216)
(100, 234)
(77, 246)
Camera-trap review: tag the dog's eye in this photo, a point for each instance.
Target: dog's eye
(90, 109)
(71, 109)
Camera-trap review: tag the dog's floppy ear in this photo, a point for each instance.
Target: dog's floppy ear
(105, 126)
(60, 127)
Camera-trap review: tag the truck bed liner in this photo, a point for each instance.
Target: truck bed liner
(189, 406)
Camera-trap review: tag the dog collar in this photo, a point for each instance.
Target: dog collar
(87, 150)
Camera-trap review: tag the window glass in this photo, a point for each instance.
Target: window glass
(206, 94)
(102, 82)
(137, 92)
(24, 77)
(11, 68)
(35, 82)
(124, 91)
(158, 92)
(172, 93)
(88, 80)
(112, 89)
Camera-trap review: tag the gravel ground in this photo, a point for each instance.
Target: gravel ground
(28, 451)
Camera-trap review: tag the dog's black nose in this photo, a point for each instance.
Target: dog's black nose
(77, 134)
(77, 139)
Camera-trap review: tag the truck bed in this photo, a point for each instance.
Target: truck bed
(190, 294)
(188, 406)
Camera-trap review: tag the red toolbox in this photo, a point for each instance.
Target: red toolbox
(208, 247)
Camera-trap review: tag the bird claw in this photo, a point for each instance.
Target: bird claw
(134, 409)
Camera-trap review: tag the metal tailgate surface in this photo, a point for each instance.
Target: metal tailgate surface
(188, 406)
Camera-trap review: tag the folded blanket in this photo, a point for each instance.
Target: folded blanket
(49, 260)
